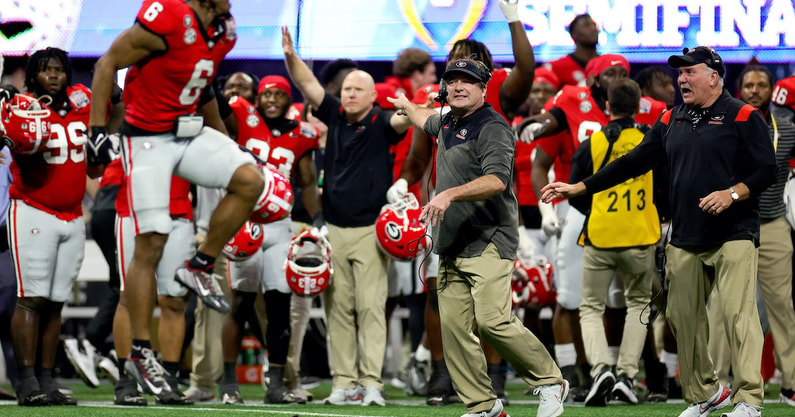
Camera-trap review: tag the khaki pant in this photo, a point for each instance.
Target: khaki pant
(775, 283)
(481, 297)
(208, 352)
(299, 319)
(729, 271)
(355, 304)
(637, 269)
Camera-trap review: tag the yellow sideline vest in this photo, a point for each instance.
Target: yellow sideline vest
(625, 215)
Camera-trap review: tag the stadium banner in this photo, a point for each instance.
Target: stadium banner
(642, 30)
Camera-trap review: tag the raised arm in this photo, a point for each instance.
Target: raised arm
(300, 73)
(516, 88)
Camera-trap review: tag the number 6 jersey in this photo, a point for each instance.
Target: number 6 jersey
(169, 84)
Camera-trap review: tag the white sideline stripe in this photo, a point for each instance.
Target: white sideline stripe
(235, 409)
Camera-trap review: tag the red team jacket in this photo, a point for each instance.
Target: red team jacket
(54, 179)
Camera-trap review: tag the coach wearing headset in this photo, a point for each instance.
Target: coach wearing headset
(474, 217)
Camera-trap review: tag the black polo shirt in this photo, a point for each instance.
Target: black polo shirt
(357, 164)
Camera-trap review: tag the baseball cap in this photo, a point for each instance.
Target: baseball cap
(602, 62)
(698, 55)
(274, 81)
(468, 68)
(546, 75)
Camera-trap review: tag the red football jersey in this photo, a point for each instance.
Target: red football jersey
(402, 85)
(568, 70)
(583, 115)
(493, 90)
(179, 206)
(781, 93)
(281, 149)
(54, 179)
(649, 110)
(169, 85)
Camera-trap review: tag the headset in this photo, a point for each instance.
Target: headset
(483, 73)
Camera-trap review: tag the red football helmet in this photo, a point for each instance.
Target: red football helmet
(24, 124)
(308, 267)
(398, 229)
(532, 284)
(245, 243)
(276, 199)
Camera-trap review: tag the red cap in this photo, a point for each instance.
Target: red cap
(603, 62)
(427, 90)
(274, 81)
(546, 75)
(385, 90)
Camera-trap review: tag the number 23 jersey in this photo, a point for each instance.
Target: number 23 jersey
(281, 149)
(169, 84)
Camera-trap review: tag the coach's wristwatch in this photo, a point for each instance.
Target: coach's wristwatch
(734, 194)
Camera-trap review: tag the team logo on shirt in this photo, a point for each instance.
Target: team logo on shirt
(585, 106)
(187, 21)
(462, 134)
(252, 120)
(582, 95)
(79, 99)
(276, 133)
(190, 36)
(716, 119)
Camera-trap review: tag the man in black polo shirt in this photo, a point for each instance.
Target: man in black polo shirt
(358, 171)
(720, 156)
(475, 221)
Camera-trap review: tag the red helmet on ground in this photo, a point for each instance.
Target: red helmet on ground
(24, 123)
(532, 284)
(276, 199)
(308, 268)
(245, 243)
(398, 229)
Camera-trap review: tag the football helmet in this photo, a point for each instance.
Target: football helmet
(308, 267)
(276, 199)
(24, 123)
(398, 229)
(531, 283)
(245, 243)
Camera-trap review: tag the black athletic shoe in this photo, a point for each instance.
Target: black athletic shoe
(201, 283)
(174, 396)
(602, 387)
(56, 398)
(36, 398)
(440, 386)
(624, 390)
(126, 393)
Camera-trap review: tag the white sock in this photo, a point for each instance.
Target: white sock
(671, 361)
(566, 354)
(422, 354)
(613, 352)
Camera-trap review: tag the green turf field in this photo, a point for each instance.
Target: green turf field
(98, 402)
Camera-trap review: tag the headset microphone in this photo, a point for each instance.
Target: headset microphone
(442, 96)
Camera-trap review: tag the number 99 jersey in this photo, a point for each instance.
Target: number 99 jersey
(167, 85)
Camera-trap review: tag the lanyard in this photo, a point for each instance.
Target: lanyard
(775, 131)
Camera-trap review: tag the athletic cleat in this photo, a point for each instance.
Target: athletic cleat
(230, 394)
(280, 395)
(719, 400)
(551, 398)
(373, 396)
(174, 396)
(601, 388)
(126, 393)
(496, 411)
(418, 375)
(148, 373)
(34, 399)
(787, 396)
(56, 398)
(202, 284)
(743, 410)
(624, 390)
(107, 367)
(82, 362)
(5, 395)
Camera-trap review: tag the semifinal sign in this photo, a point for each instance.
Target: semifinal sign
(642, 30)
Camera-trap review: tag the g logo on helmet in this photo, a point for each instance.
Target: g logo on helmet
(398, 229)
(245, 243)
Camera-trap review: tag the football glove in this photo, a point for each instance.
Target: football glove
(397, 190)
(101, 147)
(509, 9)
(549, 219)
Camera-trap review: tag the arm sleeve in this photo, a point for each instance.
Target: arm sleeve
(760, 154)
(495, 151)
(432, 125)
(581, 168)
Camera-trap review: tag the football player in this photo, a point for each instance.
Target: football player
(570, 69)
(177, 46)
(288, 145)
(45, 221)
